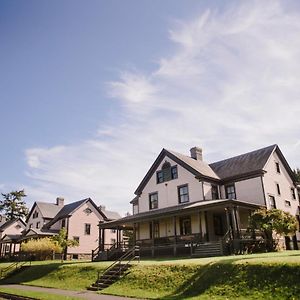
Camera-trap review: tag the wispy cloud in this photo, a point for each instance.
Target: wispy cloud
(231, 85)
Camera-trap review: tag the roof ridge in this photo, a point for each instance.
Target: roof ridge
(250, 152)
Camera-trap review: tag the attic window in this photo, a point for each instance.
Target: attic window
(166, 173)
(35, 215)
(88, 211)
(277, 167)
(17, 226)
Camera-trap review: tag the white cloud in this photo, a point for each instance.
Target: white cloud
(231, 85)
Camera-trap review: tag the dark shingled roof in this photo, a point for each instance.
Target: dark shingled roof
(67, 211)
(247, 163)
(48, 210)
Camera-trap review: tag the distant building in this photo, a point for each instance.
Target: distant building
(81, 220)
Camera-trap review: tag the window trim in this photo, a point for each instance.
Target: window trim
(278, 189)
(87, 232)
(226, 192)
(179, 195)
(150, 195)
(181, 227)
(294, 197)
(272, 206)
(212, 194)
(287, 203)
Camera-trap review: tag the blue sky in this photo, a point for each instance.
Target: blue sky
(90, 91)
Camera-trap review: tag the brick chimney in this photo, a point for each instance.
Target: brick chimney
(60, 201)
(101, 207)
(196, 153)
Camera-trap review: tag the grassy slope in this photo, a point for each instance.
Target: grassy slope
(269, 276)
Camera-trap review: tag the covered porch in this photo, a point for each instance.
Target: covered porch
(181, 229)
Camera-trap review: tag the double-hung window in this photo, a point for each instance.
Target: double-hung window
(153, 200)
(272, 202)
(230, 192)
(87, 229)
(214, 192)
(185, 226)
(183, 194)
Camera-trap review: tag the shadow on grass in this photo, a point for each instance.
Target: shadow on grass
(30, 273)
(253, 281)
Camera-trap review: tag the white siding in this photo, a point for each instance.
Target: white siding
(167, 191)
(271, 178)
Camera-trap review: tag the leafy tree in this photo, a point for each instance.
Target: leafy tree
(41, 249)
(273, 221)
(13, 205)
(297, 174)
(63, 242)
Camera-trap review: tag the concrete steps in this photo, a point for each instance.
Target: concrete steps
(208, 249)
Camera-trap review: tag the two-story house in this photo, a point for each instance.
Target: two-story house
(80, 218)
(182, 201)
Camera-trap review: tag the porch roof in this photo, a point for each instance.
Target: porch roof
(176, 210)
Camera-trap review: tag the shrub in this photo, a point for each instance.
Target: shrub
(41, 249)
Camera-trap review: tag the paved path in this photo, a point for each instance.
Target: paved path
(80, 294)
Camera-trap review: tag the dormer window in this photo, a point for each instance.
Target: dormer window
(166, 173)
(277, 167)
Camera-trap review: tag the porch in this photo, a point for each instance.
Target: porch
(181, 230)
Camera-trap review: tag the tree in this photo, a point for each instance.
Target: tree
(13, 205)
(273, 221)
(63, 242)
(297, 174)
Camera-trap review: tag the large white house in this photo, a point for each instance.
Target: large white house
(184, 204)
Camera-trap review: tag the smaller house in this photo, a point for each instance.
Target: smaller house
(80, 218)
(10, 232)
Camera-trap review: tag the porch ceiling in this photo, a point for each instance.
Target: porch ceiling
(177, 210)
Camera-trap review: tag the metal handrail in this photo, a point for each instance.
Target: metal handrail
(16, 265)
(130, 254)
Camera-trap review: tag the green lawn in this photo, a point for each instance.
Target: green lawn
(256, 276)
(36, 295)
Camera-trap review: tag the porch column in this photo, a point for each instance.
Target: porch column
(14, 248)
(118, 237)
(206, 226)
(238, 221)
(103, 239)
(134, 234)
(152, 229)
(234, 224)
(99, 234)
(200, 226)
(10, 248)
(175, 236)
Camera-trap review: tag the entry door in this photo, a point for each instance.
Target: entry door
(218, 225)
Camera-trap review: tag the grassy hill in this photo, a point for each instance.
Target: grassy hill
(268, 276)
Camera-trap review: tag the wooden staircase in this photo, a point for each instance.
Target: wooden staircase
(116, 270)
(208, 249)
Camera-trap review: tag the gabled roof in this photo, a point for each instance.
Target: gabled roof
(69, 209)
(197, 167)
(110, 215)
(48, 210)
(249, 163)
(10, 222)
